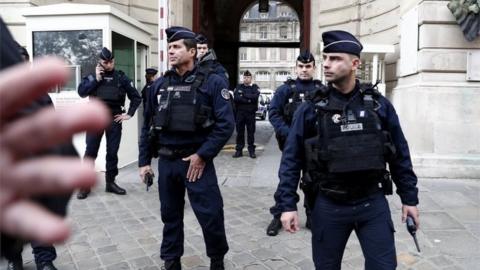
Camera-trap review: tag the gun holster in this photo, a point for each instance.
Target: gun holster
(310, 188)
(386, 182)
(281, 141)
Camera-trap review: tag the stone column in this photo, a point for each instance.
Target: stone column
(439, 107)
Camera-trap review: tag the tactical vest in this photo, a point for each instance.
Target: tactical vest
(295, 99)
(111, 91)
(179, 109)
(351, 149)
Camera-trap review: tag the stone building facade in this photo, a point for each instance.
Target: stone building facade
(431, 74)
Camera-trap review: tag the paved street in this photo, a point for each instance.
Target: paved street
(124, 232)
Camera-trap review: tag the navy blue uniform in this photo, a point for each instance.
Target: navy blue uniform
(113, 133)
(144, 91)
(277, 117)
(245, 98)
(333, 221)
(204, 194)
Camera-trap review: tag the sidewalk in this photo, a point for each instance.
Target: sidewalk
(124, 232)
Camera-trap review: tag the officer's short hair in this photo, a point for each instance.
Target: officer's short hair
(190, 43)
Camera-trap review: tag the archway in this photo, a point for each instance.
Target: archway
(219, 21)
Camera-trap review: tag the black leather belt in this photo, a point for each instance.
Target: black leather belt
(342, 194)
(176, 152)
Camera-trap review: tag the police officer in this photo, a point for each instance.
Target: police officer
(188, 120)
(150, 76)
(245, 97)
(111, 86)
(207, 59)
(285, 101)
(343, 138)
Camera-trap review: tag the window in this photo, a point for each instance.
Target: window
(243, 54)
(283, 32)
(282, 76)
(264, 15)
(244, 35)
(273, 54)
(78, 47)
(263, 53)
(263, 32)
(283, 54)
(262, 76)
(247, 15)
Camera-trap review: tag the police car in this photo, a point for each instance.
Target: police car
(263, 102)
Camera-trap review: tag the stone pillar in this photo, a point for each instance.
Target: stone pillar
(439, 107)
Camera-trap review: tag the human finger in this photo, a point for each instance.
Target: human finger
(29, 221)
(48, 127)
(54, 175)
(16, 91)
(200, 172)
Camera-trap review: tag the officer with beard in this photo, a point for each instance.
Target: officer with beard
(110, 86)
(188, 119)
(342, 140)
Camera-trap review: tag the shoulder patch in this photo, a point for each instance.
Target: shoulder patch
(225, 94)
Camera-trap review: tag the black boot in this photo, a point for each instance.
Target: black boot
(217, 264)
(172, 265)
(274, 227)
(83, 194)
(237, 154)
(46, 266)
(112, 187)
(252, 154)
(15, 265)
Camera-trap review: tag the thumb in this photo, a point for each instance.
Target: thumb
(186, 158)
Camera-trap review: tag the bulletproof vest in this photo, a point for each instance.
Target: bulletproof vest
(110, 90)
(294, 100)
(178, 106)
(350, 143)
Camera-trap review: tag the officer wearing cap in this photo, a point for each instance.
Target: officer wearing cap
(207, 59)
(188, 119)
(342, 140)
(111, 86)
(150, 76)
(285, 101)
(245, 98)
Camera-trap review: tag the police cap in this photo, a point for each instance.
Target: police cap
(175, 33)
(105, 54)
(201, 39)
(338, 41)
(306, 57)
(247, 73)
(151, 71)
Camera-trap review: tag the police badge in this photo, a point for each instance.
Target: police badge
(225, 94)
